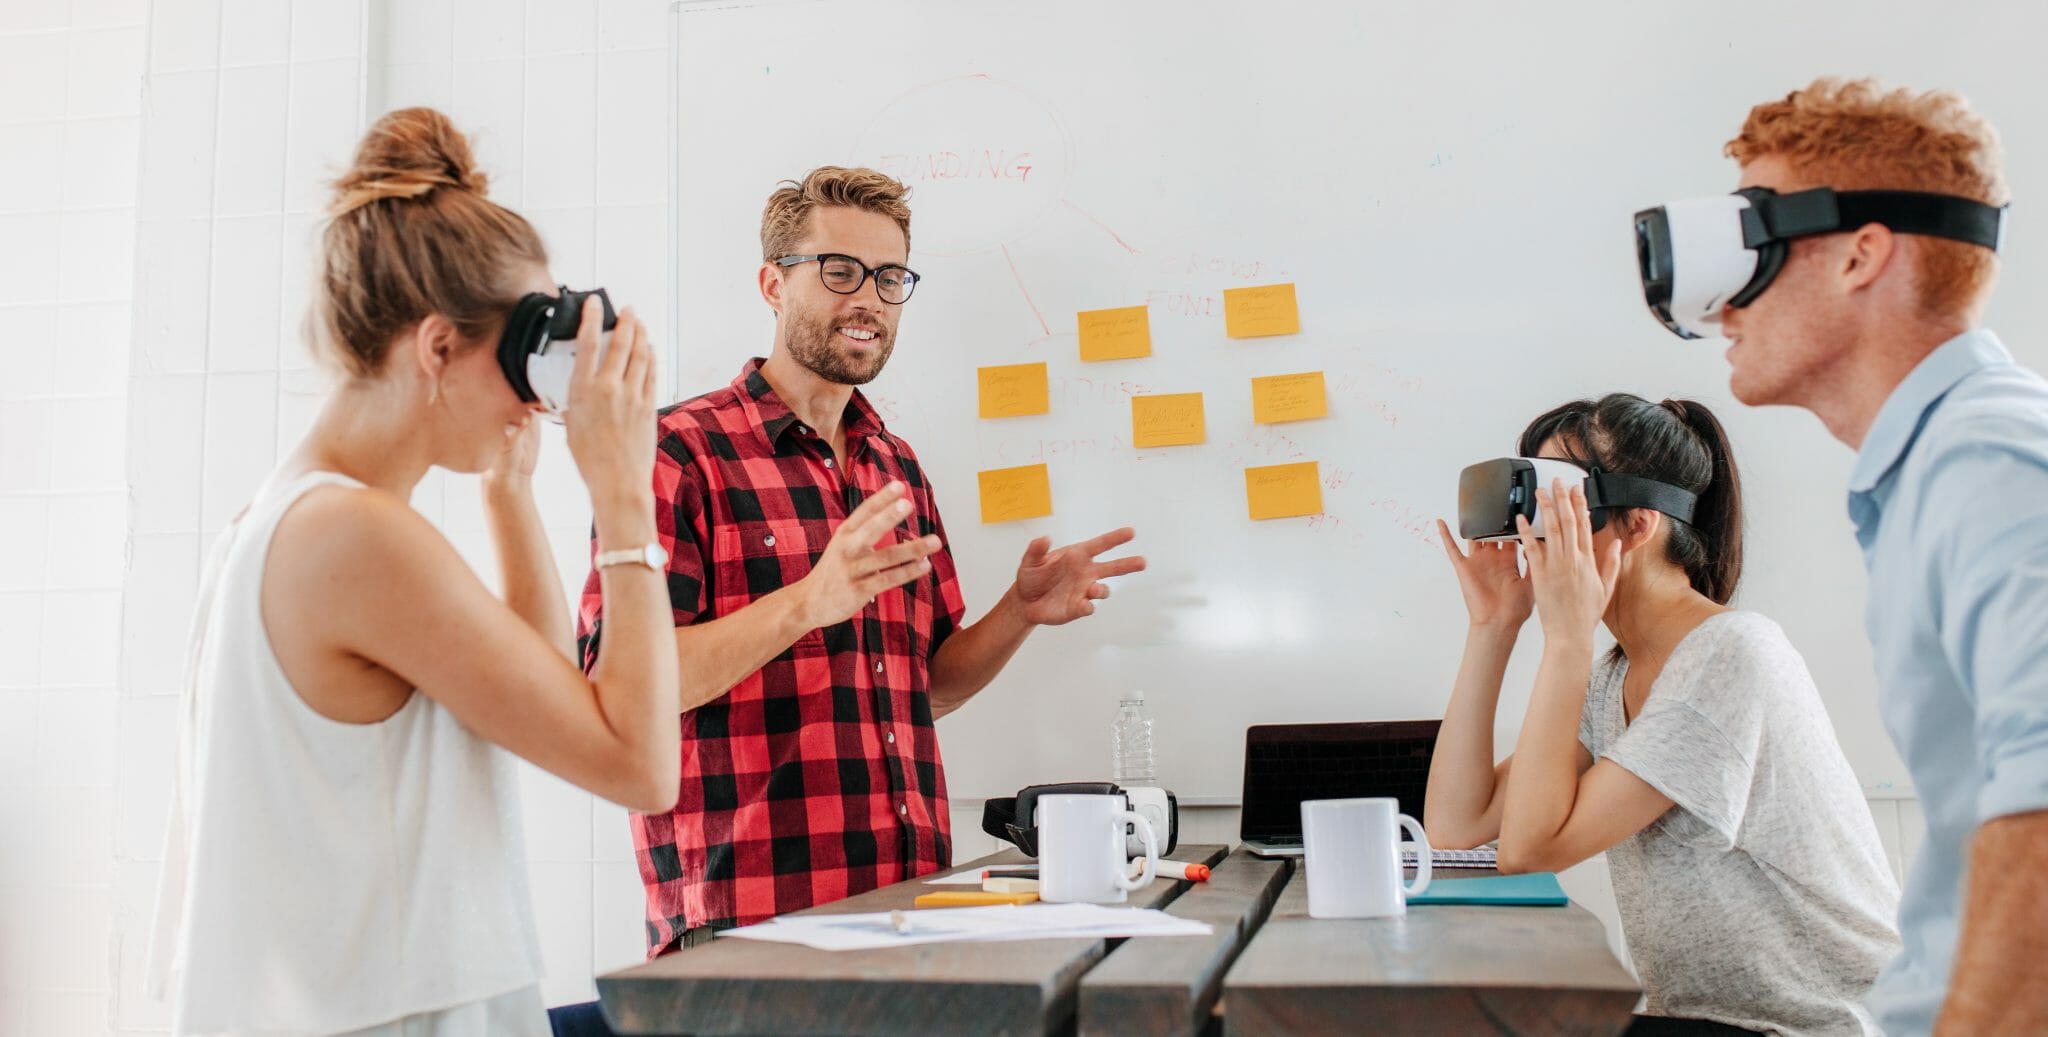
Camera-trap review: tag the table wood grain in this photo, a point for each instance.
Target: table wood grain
(1147, 988)
(1437, 969)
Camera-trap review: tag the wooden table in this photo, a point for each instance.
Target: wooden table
(1151, 988)
(1438, 969)
(735, 987)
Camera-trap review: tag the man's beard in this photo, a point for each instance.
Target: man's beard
(813, 343)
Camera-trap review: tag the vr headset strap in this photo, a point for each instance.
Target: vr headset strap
(1916, 212)
(1821, 210)
(523, 327)
(1613, 490)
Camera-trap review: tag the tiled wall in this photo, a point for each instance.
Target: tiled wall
(252, 105)
(70, 89)
(248, 105)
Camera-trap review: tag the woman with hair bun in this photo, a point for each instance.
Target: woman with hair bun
(345, 853)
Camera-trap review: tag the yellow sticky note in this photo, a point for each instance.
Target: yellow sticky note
(1009, 494)
(971, 898)
(1284, 490)
(1119, 334)
(1014, 390)
(1289, 397)
(1174, 419)
(1265, 310)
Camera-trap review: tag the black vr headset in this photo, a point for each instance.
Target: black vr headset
(1699, 255)
(1492, 493)
(1015, 820)
(537, 351)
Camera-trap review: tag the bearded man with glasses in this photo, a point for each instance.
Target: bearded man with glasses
(818, 613)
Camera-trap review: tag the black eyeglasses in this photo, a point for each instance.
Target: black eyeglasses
(845, 275)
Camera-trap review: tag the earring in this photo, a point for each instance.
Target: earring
(435, 396)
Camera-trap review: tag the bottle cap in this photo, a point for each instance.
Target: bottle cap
(1133, 695)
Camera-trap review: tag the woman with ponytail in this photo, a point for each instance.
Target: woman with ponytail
(1696, 754)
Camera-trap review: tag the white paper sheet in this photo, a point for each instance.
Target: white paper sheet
(995, 923)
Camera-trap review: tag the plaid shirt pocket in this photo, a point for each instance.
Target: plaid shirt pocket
(750, 560)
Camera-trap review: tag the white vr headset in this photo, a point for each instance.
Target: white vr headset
(1699, 255)
(1492, 493)
(537, 349)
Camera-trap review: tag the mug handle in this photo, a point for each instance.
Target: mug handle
(1422, 852)
(1151, 858)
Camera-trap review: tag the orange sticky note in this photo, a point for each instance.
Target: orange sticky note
(1265, 310)
(1284, 490)
(1174, 419)
(1289, 397)
(1120, 334)
(1009, 494)
(1014, 391)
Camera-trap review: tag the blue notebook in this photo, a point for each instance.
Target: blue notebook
(1539, 889)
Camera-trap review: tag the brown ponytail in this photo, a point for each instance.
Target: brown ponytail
(1711, 551)
(412, 233)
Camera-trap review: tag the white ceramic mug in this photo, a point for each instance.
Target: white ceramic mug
(1081, 850)
(1352, 849)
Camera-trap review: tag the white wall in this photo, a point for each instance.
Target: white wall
(70, 77)
(249, 106)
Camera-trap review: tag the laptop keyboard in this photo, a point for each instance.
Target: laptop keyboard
(1483, 857)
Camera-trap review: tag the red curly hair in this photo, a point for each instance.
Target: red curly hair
(1857, 134)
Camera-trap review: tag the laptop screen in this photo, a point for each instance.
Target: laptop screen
(1285, 764)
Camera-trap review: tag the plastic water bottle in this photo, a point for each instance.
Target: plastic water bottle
(1134, 761)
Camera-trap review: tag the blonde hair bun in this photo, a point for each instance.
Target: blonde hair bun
(406, 154)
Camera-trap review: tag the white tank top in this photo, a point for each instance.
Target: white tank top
(319, 876)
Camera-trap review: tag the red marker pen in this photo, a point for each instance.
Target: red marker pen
(1173, 870)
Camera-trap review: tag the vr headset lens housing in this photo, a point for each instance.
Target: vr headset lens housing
(1707, 234)
(1492, 493)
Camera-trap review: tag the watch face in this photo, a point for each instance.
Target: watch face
(653, 556)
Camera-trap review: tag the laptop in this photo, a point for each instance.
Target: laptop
(1286, 764)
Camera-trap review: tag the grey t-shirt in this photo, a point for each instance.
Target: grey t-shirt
(1762, 899)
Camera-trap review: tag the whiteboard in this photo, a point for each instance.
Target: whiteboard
(1450, 188)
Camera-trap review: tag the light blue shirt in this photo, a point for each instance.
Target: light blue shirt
(1950, 501)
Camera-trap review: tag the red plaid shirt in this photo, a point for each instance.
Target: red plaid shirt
(818, 776)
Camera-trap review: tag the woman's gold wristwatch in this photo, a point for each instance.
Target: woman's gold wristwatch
(653, 556)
